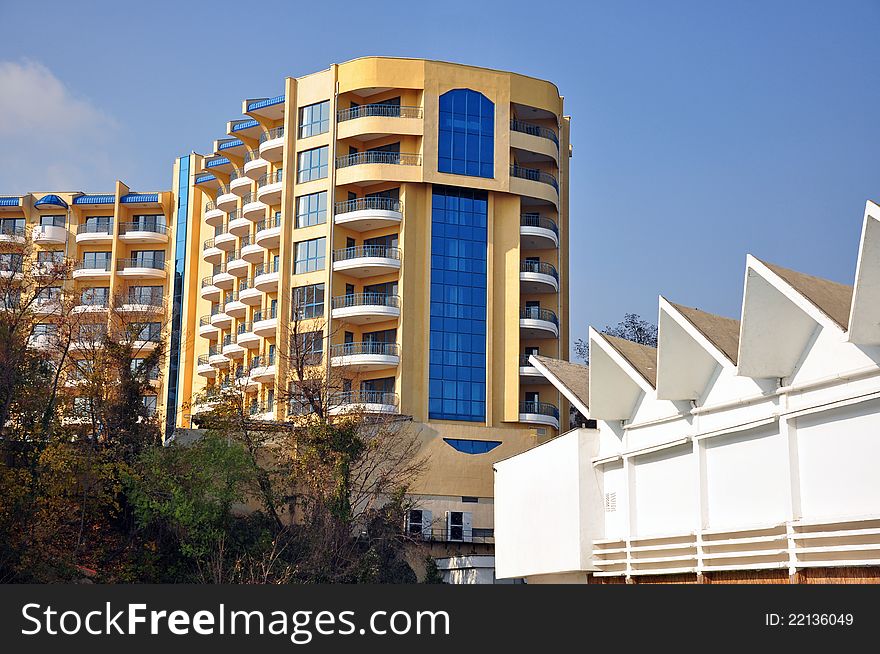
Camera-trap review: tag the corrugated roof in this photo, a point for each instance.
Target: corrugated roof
(722, 332)
(640, 357)
(9, 202)
(574, 376)
(831, 298)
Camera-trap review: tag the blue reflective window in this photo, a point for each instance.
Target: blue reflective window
(457, 354)
(472, 447)
(467, 134)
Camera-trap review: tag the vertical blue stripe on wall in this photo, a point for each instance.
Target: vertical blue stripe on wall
(174, 354)
(457, 357)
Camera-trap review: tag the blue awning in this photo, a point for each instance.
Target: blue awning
(234, 143)
(9, 202)
(220, 161)
(132, 198)
(244, 124)
(50, 201)
(207, 177)
(265, 102)
(107, 198)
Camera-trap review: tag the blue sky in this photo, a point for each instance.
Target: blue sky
(701, 131)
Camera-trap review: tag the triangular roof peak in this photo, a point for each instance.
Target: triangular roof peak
(831, 298)
(720, 331)
(642, 358)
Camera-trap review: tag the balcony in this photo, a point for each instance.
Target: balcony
(254, 165)
(265, 322)
(537, 232)
(49, 268)
(46, 306)
(535, 183)
(268, 234)
(250, 250)
(96, 232)
(219, 318)
(528, 374)
(371, 167)
(92, 305)
(534, 130)
(366, 260)
(213, 214)
(248, 294)
(540, 143)
(12, 234)
(204, 367)
(236, 264)
(252, 208)
(145, 231)
(222, 278)
(362, 308)
(364, 214)
(365, 356)
(231, 348)
(262, 411)
(92, 269)
(364, 402)
(234, 306)
(535, 322)
(216, 358)
(538, 277)
(143, 303)
(539, 413)
(210, 252)
(226, 199)
(240, 184)
(263, 369)
(208, 330)
(238, 225)
(272, 144)
(49, 235)
(269, 187)
(243, 380)
(379, 157)
(209, 291)
(370, 121)
(246, 337)
(141, 268)
(224, 239)
(266, 277)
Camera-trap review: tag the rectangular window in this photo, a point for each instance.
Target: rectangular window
(12, 226)
(314, 119)
(150, 223)
(309, 346)
(98, 224)
(96, 260)
(10, 262)
(45, 329)
(95, 297)
(308, 302)
(466, 140)
(147, 331)
(149, 295)
(50, 256)
(52, 221)
(92, 332)
(312, 164)
(310, 255)
(148, 258)
(311, 209)
(150, 404)
(137, 365)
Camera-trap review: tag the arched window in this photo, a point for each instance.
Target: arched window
(467, 134)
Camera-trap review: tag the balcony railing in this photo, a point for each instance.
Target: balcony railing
(92, 265)
(227, 340)
(534, 174)
(362, 204)
(222, 189)
(272, 134)
(204, 321)
(539, 408)
(266, 268)
(380, 110)
(247, 198)
(539, 267)
(262, 361)
(269, 223)
(270, 178)
(379, 157)
(96, 227)
(244, 241)
(365, 300)
(366, 347)
(265, 314)
(258, 408)
(234, 255)
(365, 397)
(143, 226)
(534, 130)
(203, 360)
(251, 155)
(244, 327)
(208, 244)
(215, 349)
(245, 284)
(122, 264)
(360, 251)
(454, 535)
(207, 281)
(537, 313)
(151, 299)
(231, 296)
(537, 220)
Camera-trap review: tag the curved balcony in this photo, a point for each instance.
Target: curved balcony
(215, 356)
(365, 356)
(93, 306)
(143, 232)
(366, 260)
(254, 165)
(534, 140)
(141, 268)
(265, 323)
(208, 330)
(238, 225)
(378, 166)
(537, 232)
(272, 144)
(528, 373)
(246, 337)
(364, 402)
(268, 234)
(210, 252)
(219, 318)
(269, 187)
(266, 277)
(236, 264)
(369, 121)
(49, 269)
(379, 157)
(226, 199)
(234, 306)
(99, 270)
(362, 308)
(49, 235)
(538, 277)
(243, 380)
(539, 413)
(209, 291)
(224, 240)
(232, 349)
(12, 234)
(533, 183)
(250, 250)
(240, 184)
(535, 322)
(213, 214)
(262, 411)
(46, 306)
(147, 303)
(364, 214)
(222, 278)
(262, 369)
(204, 367)
(248, 293)
(96, 232)
(252, 208)
(534, 130)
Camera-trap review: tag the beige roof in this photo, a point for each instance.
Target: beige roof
(722, 332)
(829, 297)
(640, 357)
(574, 376)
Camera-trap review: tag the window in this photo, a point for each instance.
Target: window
(150, 404)
(418, 523)
(457, 355)
(149, 295)
(137, 366)
(310, 255)
(312, 164)
(459, 526)
(148, 258)
(467, 134)
(12, 226)
(309, 346)
(151, 223)
(45, 329)
(52, 221)
(50, 256)
(308, 302)
(95, 297)
(98, 224)
(49, 294)
(467, 446)
(96, 260)
(10, 262)
(92, 332)
(314, 119)
(147, 331)
(311, 209)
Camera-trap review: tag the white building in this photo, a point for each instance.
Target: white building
(736, 450)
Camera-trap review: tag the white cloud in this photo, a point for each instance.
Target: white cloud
(50, 139)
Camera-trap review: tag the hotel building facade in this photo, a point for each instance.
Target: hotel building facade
(411, 214)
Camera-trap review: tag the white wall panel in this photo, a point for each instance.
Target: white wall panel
(665, 501)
